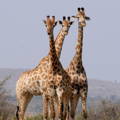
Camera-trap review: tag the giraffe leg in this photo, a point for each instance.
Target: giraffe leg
(45, 107)
(66, 108)
(56, 108)
(52, 110)
(23, 102)
(60, 109)
(84, 104)
(73, 105)
(68, 113)
(17, 113)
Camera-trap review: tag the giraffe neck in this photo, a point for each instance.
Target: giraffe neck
(52, 54)
(59, 43)
(77, 59)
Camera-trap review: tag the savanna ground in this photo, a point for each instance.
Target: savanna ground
(104, 110)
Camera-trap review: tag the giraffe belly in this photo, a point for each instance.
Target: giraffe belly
(78, 83)
(39, 87)
(36, 87)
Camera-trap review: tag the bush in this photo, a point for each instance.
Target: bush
(105, 110)
(6, 108)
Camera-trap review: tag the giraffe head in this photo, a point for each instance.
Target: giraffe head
(50, 23)
(66, 23)
(81, 16)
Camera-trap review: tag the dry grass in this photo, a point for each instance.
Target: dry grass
(6, 109)
(104, 110)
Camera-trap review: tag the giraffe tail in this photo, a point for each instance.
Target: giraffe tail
(17, 113)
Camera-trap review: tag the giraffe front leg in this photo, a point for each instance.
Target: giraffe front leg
(60, 110)
(52, 110)
(68, 113)
(45, 107)
(73, 105)
(66, 99)
(60, 103)
(84, 105)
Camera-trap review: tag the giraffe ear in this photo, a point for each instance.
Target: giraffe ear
(55, 23)
(74, 16)
(87, 18)
(44, 21)
(71, 22)
(79, 9)
(60, 22)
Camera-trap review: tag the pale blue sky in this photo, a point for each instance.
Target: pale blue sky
(23, 39)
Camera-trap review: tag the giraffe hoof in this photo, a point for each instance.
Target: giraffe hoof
(85, 116)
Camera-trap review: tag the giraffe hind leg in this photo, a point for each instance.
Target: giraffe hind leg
(84, 105)
(45, 107)
(73, 105)
(17, 113)
(66, 108)
(23, 102)
(52, 109)
(60, 110)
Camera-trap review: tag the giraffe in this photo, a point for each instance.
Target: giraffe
(39, 81)
(58, 77)
(66, 23)
(76, 70)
